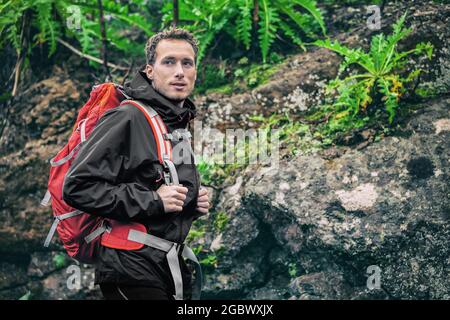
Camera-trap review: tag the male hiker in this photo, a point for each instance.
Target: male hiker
(117, 175)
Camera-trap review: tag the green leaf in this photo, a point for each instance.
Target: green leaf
(310, 6)
(267, 28)
(292, 34)
(59, 261)
(244, 22)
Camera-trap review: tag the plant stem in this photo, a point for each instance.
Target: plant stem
(89, 57)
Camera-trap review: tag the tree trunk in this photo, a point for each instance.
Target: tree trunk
(254, 42)
(255, 14)
(175, 14)
(104, 41)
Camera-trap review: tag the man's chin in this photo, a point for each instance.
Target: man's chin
(172, 98)
(176, 98)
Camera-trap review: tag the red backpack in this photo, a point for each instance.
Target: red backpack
(79, 231)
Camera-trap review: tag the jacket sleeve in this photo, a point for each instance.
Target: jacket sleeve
(115, 148)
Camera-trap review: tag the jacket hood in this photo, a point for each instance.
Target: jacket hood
(140, 88)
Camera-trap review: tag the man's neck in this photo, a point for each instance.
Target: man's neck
(180, 104)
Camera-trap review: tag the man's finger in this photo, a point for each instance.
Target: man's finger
(178, 203)
(174, 208)
(203, 204)
(179, 196)
(180, 189)
(202, 210)
(178, 209)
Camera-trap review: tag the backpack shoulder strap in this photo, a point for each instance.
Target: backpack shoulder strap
(163, 145)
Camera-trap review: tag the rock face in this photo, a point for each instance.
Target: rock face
(334, 221)
(347, 223)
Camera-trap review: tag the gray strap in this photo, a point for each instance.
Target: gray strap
(172, 170)
(198, 285)
(174, 266)
(68, 215)
(150, 240)
(83, 130)
(149, 110)
(96, 233)
(172, 255)
(46, 199)
(167, 179)
(172, 176)
(54, 163)
(51, 233)
(59, 218)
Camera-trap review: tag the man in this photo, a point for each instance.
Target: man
(117, 175)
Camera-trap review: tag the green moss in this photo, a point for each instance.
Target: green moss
(197, 231)
(427, 92)
(238, 77)
(220, 221)
(260, 74)
(225, 89)
(60, 261)
(292, 269)
(209, 261)
(293, 135)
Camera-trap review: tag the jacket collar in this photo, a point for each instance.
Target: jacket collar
(140, 88)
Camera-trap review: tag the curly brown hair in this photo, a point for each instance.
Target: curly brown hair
(172, 33)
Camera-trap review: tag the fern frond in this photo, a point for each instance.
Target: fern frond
(311, 7)
(48, 27)
(244, 22)
(267, 31)
(292, 34)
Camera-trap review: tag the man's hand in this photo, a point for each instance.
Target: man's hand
(172, 197)
(203, 201)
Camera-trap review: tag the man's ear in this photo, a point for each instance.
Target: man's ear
(149, 71)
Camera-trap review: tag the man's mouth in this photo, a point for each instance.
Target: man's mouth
(178, 86)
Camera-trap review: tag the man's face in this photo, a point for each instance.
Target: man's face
(174, 72)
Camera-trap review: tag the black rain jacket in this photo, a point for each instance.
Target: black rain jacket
(116, 174)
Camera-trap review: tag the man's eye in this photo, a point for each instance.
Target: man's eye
(168, 61)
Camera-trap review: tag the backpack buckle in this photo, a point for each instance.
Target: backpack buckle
(167, 179)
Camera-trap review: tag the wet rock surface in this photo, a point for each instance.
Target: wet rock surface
(387, 206)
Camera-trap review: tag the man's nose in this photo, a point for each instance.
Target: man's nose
(179, 72)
